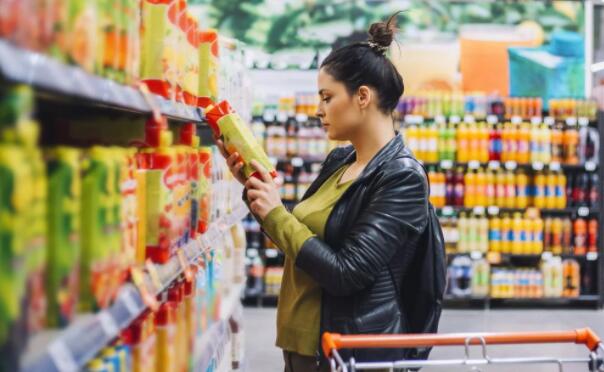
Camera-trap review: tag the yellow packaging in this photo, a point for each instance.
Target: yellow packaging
(154, 28)
(208, 67)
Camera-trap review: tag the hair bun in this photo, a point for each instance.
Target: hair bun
(381, 34)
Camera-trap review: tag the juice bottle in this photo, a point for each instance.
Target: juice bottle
(500, 188)
(463, 226)
(567, 236)
(517, 234)
(518, 149)
(557, 153)
(473, 237)
(441, 182)
(208, 48)
(581, 185)
(470, 189)
(540, 190)
(507, 234)
(572, 278)
(551, 198)
(580, 236)
(495, 234)
(481, 188)
(522, 190)
(523, 136)
(433, 186)
(483, 234)
(547, 235)
(154, 27)
(508, 147)
(424, 143)
(484, 143)
(535, 146)
(64, 190)
(545, 144)
(165, 325)
(412, 139)
(592, 238)
(537, 236)
(490, 188)
(560, 191)
(480, 278)
(463, 143)
(451, 142)
(442, 141)
(449, 187)
(140, 336)
(594, 191)
(556, 242)
(510, 190)
(571, 142)
(495, 143)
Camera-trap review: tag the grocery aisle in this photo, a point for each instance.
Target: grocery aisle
(261, 355)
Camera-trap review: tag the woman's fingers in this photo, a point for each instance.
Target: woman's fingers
(220, 146)
(232, 160)
(263, 172)
(255, 183)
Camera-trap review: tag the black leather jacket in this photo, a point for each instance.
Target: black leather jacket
(370, 237)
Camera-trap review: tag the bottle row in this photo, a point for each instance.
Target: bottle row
(513, 189)
(520, 142)
(433, 104)
(520, 235)
(76, 220)
(556, 278)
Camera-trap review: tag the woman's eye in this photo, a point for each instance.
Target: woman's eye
(326, 99)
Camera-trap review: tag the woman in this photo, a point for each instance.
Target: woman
(348, 244)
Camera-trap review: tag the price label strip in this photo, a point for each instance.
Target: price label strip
(184, 264)
(62, 357)
(108, 325)
(130, 303)
(139, 280)
(152, 270)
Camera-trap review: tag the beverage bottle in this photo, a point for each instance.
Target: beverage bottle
(517, 243)
(470, 189)
(462, 226)
(547, 235)
(523, 136)
(484, 143)
(451, 142)
(557, 236)
(571, 141)
(434, 186)
(572, 278)
(592, 235)
(473, 238)
(594, 190)
(495, 234)
(540, 190)
(422, 143)
(459, 188)
(557, 153)
(500, 188)
(550, 190)
(490, 188)
(508, 146)
(560, 191)
(522, 191)
(537, 236)
(474, 140)
(483, 234)
(481, 188)
(450, 187)
(510, 190)
(432, 133)
(570, 182)
(545, 144)
(412, 136)
(440, 181)
(580, 189)
(463, 143)
(506, 234)
(535, 144)
(580, 236)
(567, 236)
(558, 278)
(495, 145)
(516, 147)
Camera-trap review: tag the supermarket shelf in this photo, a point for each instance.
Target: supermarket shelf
(580, 211)
(71, 348)
(49, 75)
(588, 167)
(210, 344)
(586, 300)
(233, 299)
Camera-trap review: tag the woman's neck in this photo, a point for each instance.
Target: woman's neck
(368, 142)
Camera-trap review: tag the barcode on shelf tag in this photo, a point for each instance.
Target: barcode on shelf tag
(583, 211)
(494, 164)
(301, 118)
(546, 256)
(590, 166)
(516, 120)
(535, 120)
(592, 256)
(583, 121)
(271, 253)
(571, 122)
(447, 211)
(446, 164)
(549, 120)
(297, 162)
(469, 119)
(454, 119)
(492, 119)
(152, 270)
(476, 255)
(511, 165)
(108, 325)
(62, 357)
(554, 166)
(478, 210)
(474, 164)
(538, 166)
(184, 264)
(493, 210)
(130, 303)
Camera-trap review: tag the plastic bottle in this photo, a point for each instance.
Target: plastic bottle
(470, 189)
(481, 188)
(508, 145)
(592, 239)
(474, 141)
(547, 235)
(473, 237)
(462, 225)
(495, 145)
(500, 188)
(560, 193)
(463, 143)
(510, 190)
(480, 278)
(490, 188)
(165, 324)
(540, 190)
(522, 190)
(484, 143)
(580, 189)
(537, 236)
(459, 188)
(519, 150)
(545, 139)
(551, 199)
(557, 153)
(518, 234)
(557, 236)
(460, 273)
(442, 141)
(507, 234)
(495, 234)
(572, 278)
(523, 155)
(571, 142)
(451, 142)
(432, 151)
(594, 190)
(483, 234)
(535, 144)
(580, 236)
(412, 139)
(567, 236)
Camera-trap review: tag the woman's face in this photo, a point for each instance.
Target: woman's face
(338, 110)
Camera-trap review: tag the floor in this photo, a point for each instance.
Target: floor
(262, 356)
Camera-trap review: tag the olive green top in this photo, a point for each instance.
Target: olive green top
(299, 308)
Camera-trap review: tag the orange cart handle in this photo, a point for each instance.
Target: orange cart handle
(335, 341)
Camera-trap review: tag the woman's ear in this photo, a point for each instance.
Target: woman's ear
(364, 96)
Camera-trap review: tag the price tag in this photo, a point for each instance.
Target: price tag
(538, 166)
(479, 211)
(469, 119)
(271, 253)
(454, 119)
(301, 118)
(583, 211)
(139, 280)
(590, 166)
(268, 117)
(536, 120)
(419, 119)
(554, 166)
(583, 121)
(447, 211)
(516, 120)
(446, 164)
(546, 256)
(592, 256)
(549, 121)
(493, 210)
(492, 119)
(440, 119)
(494, 164)
(474, 164)
(108, 325)
(408, 119)
(571, 122)
(130, 303)
(494, 258)
(184, 265)
(62, 357)
(297, 162)
(152, 270)
(282, 117)
(511, 165)
(476, 255)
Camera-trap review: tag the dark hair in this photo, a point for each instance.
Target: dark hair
(366, 63)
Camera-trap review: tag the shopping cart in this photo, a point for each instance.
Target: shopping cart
(333, 342)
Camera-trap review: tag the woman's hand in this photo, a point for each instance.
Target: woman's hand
(233, 161)
(263, 194)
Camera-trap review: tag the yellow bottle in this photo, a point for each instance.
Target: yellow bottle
(522, 193)
(462, 143)
(481, 188)
(537, 236)
(523, 155)
(540, 185)
(500, 189)
(484, 142)
(495, 234)
(510, 190)
(470, 189)
(506, 234)
(491, 188)
(561, 191)
(474, 140)
(432, 151)
(517, 227)
(552, 183)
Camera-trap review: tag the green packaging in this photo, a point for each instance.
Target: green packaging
(64, 191)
